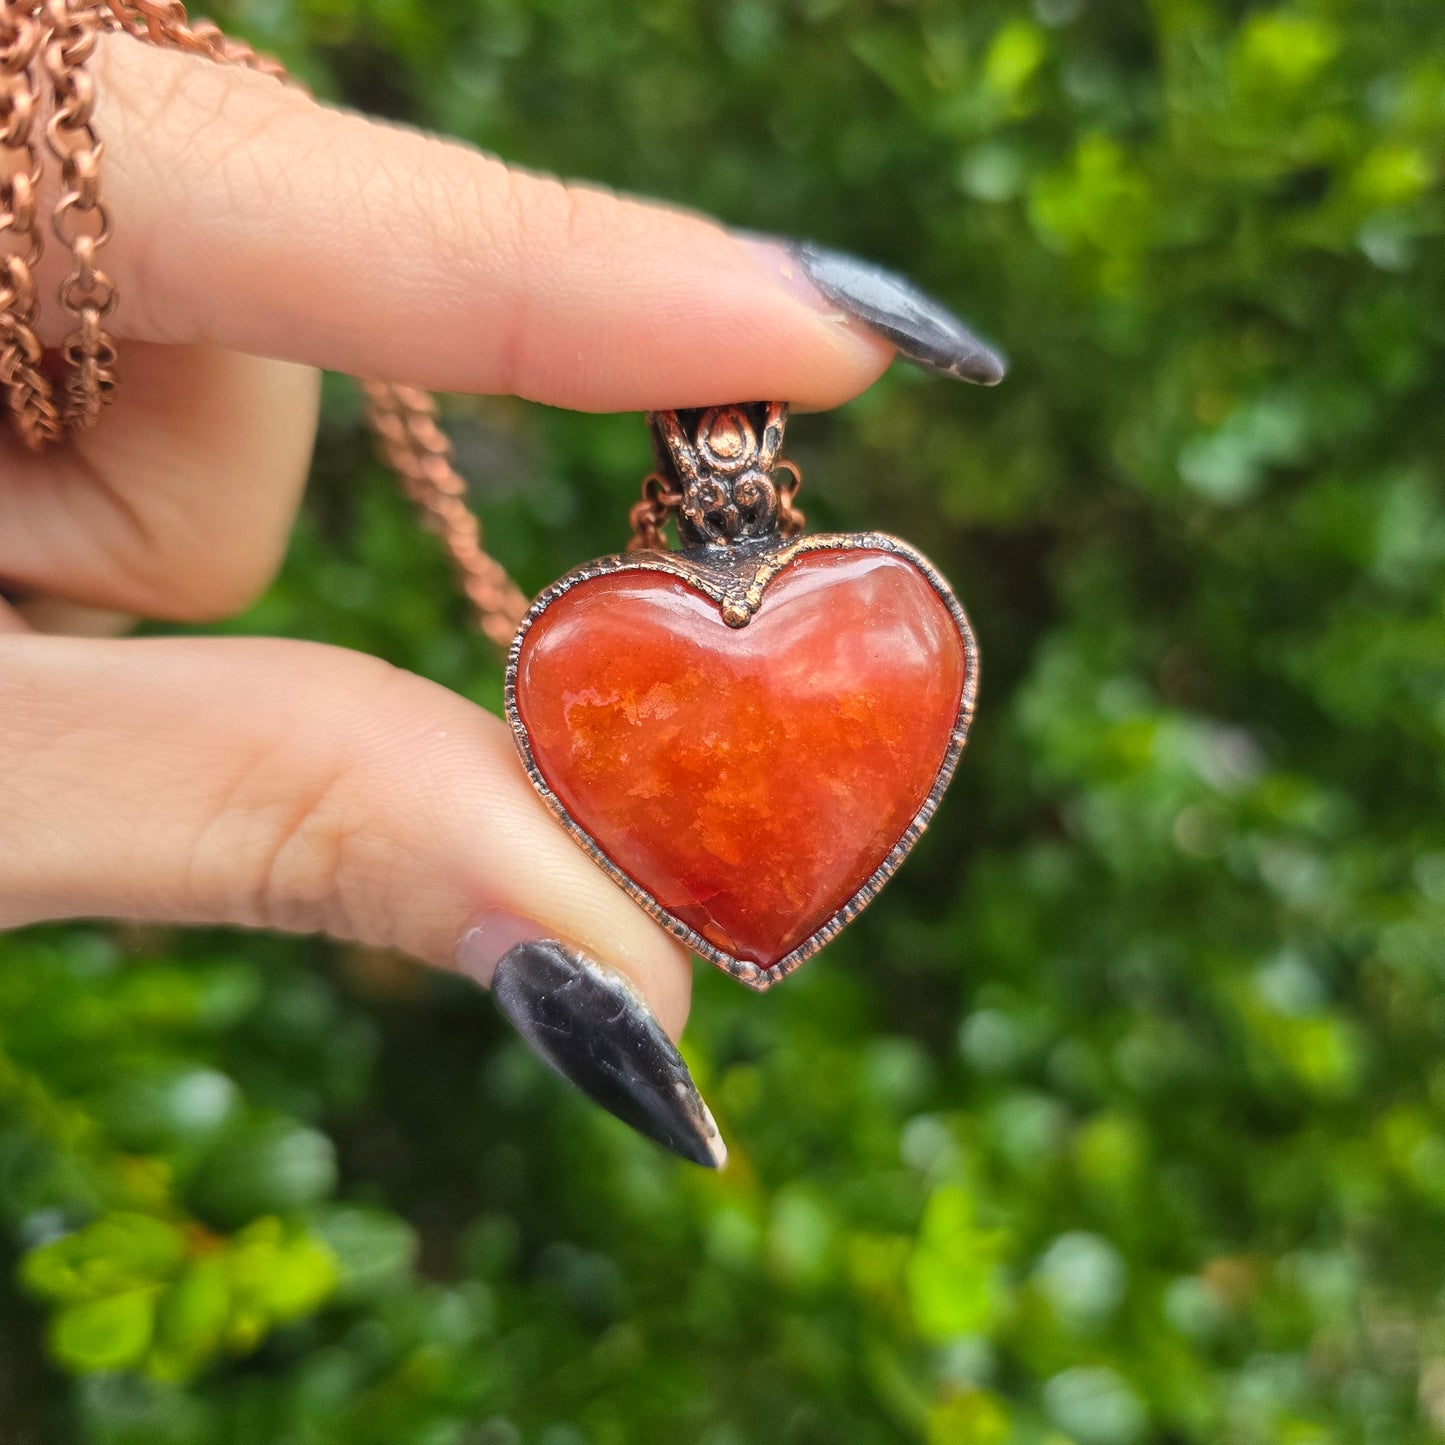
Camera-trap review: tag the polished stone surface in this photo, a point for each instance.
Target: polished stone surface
(752, 779)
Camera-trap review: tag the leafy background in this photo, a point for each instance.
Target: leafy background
(1121, 1120)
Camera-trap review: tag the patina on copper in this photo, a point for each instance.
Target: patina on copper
(717, 476)
(717, 479)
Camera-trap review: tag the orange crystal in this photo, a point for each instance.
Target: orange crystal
(751, 780)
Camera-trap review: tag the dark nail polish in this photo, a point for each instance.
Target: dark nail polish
(924, 332)
(591, 1025)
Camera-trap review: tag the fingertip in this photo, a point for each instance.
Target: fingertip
(601, 302)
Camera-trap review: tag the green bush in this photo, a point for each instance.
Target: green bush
(1121, 1119)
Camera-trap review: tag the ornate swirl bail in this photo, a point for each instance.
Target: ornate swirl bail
(719, 461)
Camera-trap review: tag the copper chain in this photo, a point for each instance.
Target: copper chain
(27, 388)
(80, 222)
(165, 23)
(660, 501)
(418, 451)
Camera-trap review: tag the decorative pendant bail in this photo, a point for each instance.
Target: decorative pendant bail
(715, 469)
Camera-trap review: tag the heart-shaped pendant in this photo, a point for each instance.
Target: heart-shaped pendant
(751, 733)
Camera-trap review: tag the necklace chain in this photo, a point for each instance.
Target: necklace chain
(404, 419)
(80, 222)
(22, 36)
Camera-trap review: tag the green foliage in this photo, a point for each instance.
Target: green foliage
(131, 1291)
(1120, 1120)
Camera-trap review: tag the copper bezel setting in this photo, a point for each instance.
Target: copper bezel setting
(736, 578)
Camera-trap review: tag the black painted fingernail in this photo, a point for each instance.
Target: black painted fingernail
(591, 1025)
(923, 331)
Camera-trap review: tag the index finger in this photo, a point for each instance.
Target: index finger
(246, 215)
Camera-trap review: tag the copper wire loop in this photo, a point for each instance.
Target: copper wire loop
(661, 501)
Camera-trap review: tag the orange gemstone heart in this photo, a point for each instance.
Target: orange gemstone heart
(749, 780)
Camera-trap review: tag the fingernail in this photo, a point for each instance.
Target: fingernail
(918, 327)
(591, 1026)
(484, 943)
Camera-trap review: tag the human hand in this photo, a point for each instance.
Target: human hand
(276, 784)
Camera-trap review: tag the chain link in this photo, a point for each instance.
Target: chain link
(80, 221)
(420, 453)
(791, 519)
(28, 389)
(662, 499)
(660, 502)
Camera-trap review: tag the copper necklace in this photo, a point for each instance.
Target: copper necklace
(748, 733)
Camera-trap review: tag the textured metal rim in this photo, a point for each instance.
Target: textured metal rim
(738, 577)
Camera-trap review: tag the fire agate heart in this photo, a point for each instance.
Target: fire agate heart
(750, 780)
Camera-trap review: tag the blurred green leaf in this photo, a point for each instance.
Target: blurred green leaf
(955, 1283)
(113, 1254)
(110, 1333)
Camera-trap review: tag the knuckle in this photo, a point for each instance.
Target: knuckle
(298, 861)
(294, 832)
(550, 217)
(151, 88)
(157, 105)
(546, 227)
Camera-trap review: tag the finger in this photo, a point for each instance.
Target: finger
(70, 619)
(178, 504)
(278, 784)
(247, 216)
(287, 785)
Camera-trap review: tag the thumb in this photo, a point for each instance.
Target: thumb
(286, 785)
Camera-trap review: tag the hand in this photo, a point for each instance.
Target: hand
(276, 784)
